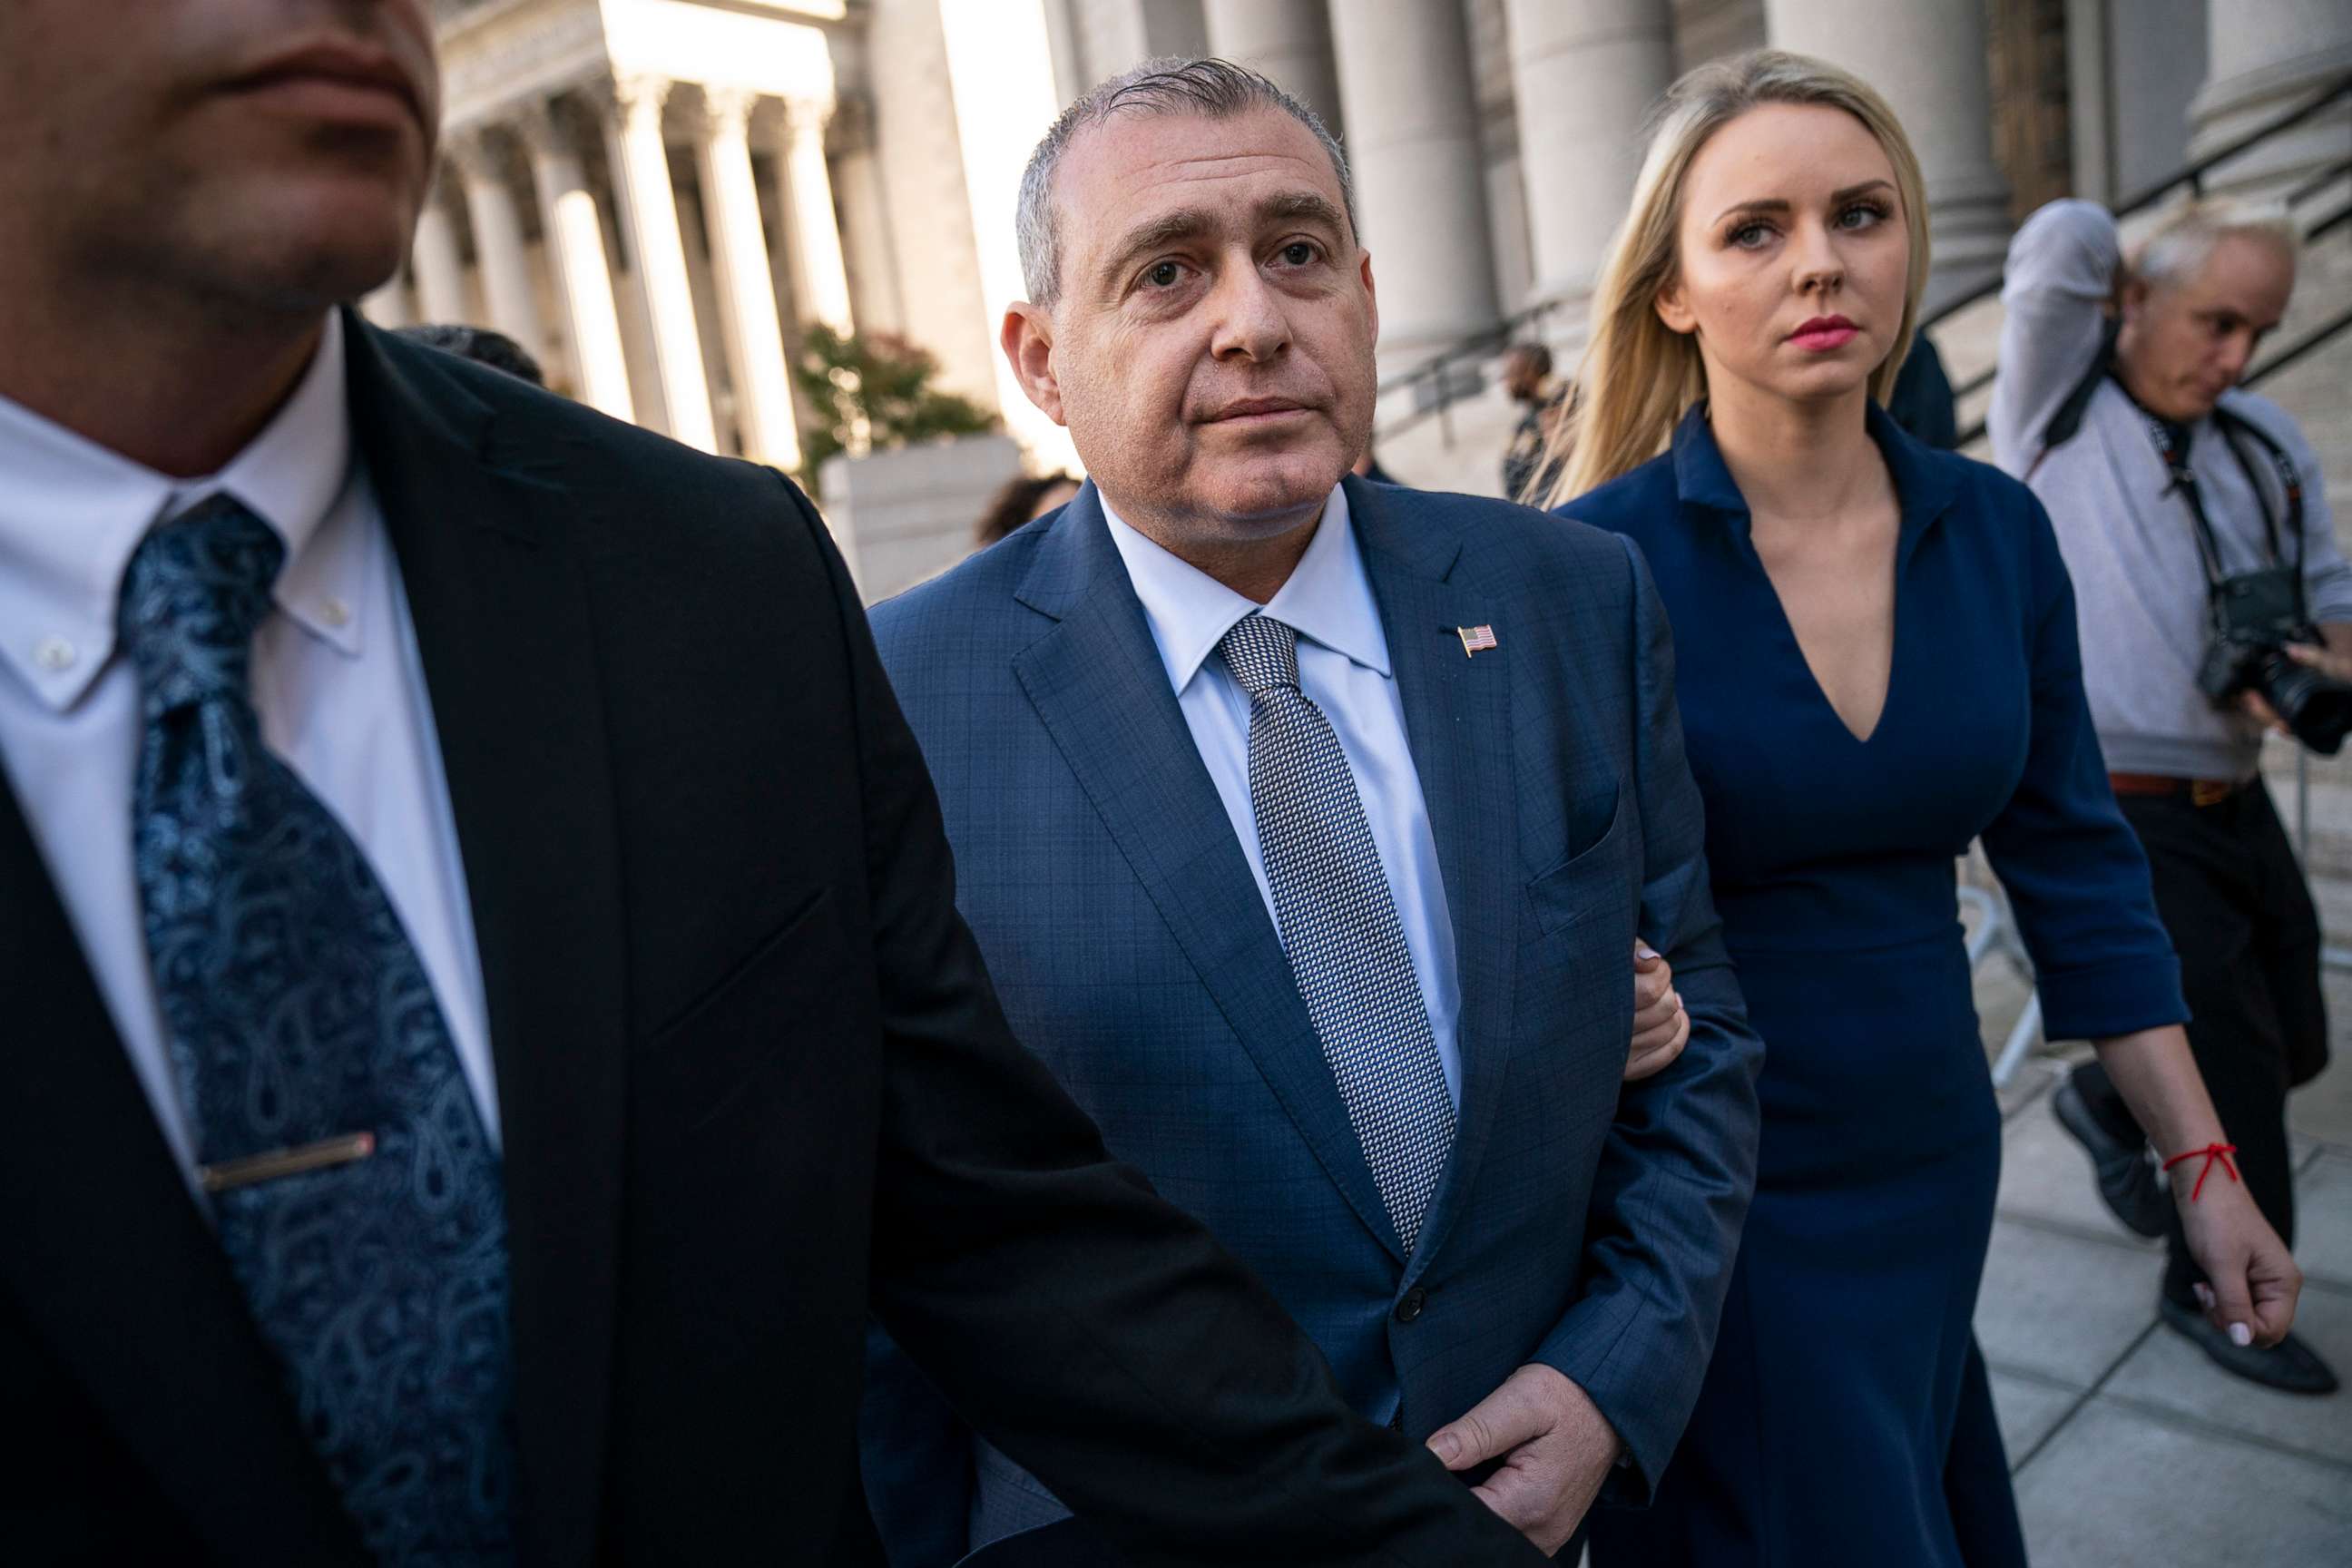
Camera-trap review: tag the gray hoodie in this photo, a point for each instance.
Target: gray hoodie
(2131, 549)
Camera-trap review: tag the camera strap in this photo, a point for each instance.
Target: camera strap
(2172, 448)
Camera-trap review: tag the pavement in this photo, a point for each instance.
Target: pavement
(2128, 1446)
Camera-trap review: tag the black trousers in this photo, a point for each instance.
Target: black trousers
(2230, 891)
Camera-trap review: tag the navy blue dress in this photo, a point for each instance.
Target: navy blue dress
(1845, 1419)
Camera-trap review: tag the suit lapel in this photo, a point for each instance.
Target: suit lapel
(1457, 712)
(117, 1268)
(1096, 682)
(505, 627)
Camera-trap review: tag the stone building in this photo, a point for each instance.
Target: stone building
(660, 196)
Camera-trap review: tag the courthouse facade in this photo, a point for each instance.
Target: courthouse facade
(660, 197)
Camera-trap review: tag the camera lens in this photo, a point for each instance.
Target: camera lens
(2318, 709)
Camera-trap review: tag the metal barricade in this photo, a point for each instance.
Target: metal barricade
(1996, 932)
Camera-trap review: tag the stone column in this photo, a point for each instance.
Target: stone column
(649, 208)
(1117, 34)
(1927, 59)
(1289, 40)
(747, 292)
(387, 306)
(1584, 73)
(874, 294)
(2264, 58)
(1405, 88)
(440, 272)
(575, 253)
(498, 247)
(820, 278)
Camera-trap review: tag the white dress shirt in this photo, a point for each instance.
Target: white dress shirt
(1343, 668)
(337, 680)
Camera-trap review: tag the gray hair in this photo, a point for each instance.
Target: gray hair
(2184, 239)
(1171, 84)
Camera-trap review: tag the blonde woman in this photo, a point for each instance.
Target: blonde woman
(1878, 664)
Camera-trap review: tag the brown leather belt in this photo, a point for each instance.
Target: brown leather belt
(2201, 792)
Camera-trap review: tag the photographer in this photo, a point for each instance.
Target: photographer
(2213, 604)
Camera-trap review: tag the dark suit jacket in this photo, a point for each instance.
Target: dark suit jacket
(750, 1075)
(1580, 1224)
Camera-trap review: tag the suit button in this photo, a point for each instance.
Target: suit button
(1410, 1308)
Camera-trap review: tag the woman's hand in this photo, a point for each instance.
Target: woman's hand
(1661, 1027)
(2254, 1278)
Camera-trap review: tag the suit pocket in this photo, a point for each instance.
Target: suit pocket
(1590, 880)
(713, 1056)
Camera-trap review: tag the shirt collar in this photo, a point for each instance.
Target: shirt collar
(73, 512)
(1328, 600)
(1922, 485)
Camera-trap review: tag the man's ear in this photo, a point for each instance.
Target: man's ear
(1674, 309)
(1028, 342)
(2131, 298)
(1372, 295)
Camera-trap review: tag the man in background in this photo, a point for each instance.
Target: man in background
(1527, 378)
(479, 344)
(2177, 494)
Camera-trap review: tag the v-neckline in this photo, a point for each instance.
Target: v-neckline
(1797, 644)
(1925, 487)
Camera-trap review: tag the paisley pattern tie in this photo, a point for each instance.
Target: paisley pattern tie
(356, 1191)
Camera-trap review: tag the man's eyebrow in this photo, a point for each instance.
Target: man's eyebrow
(1184, 223)
(1775, 204)
(1307, 205)
(1191, 223)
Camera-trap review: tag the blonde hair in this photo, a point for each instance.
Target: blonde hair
(1639, 375)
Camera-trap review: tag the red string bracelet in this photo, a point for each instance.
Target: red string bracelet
(2210, 1153)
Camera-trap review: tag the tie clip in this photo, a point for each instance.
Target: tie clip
(1477, 640)
(272, 1164)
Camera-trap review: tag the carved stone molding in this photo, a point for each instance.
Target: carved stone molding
(639, 93)
(806, 116)
(726, 109)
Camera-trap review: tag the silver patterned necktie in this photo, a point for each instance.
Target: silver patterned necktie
(1339, 926)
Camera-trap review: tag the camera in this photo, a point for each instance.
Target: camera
(2255, 616)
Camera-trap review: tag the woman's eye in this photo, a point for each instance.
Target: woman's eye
(1748, 236)
(1861, 214)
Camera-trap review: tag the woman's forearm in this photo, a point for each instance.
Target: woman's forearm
(2158, 1079)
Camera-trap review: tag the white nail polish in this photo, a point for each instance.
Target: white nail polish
(2240, 1335)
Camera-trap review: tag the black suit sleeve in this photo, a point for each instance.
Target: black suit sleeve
(1095, 1333)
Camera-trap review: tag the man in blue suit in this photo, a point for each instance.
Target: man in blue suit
(1306, 825)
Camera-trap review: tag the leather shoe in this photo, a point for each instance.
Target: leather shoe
(2129, 1183)
(2290, 1366)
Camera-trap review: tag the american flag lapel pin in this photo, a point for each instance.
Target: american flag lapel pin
(1477, 640)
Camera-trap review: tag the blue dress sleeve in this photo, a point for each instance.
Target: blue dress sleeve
(2073, 869)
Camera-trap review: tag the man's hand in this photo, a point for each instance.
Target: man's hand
(2250, 703)
(1555, 1445)
(2254, 1278)
(1661, 1027)
(2332, 662)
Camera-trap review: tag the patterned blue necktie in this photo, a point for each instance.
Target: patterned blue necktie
(357, 1196)
(1339, 926)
